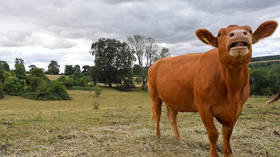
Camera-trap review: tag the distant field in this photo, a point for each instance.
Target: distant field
(53, 77)
(120, 127)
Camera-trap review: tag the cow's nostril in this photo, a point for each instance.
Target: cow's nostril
(231, 34)
(245, 33)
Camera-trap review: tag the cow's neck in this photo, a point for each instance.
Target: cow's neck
(236, 79)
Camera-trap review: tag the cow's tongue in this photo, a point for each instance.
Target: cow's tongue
(240, 44)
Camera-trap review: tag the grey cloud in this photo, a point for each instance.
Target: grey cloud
(58, 26)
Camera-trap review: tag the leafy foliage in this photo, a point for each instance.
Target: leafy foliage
(13, 86)
(265, 58)
(97, 90)
(69, 70)
(113, 61)
(86, 69)
(20, 72)
(41, 88)
(2, 94)
(264, 78)
(53, 68)
(66, 81)
(4, 65)
(77, 69)
(20, 62)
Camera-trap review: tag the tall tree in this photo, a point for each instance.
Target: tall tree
(53, 68)
(4, 65)
(68, 70)
(143, 48)
(20, 62)
(31, 67)
(86, 69)
(77, 69)
(113, 61)
(163, 53)
(20, 72)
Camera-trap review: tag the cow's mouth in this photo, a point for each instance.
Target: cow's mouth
(239, 44)
(239, 48)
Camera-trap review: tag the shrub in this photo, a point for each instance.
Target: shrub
(2, 94)
(58, 90)
(53, 90)
(33, 82)
(97, 90)
(2, 74)
(13, 86)
(66, 81)
(39, 73)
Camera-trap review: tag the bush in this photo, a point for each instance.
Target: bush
(66, 81)
(58, 89)
(39, 73)
(2, 74)
(33, 82)
(53, 90)
(2, 94)
(97, 90)
(13, 86)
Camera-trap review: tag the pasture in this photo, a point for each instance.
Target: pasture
(120, 127)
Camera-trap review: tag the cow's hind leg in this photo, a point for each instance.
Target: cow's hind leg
(172, 116)
(156, 113)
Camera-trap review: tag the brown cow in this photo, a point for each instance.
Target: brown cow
(214, 83)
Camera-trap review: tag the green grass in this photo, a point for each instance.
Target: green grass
(120, 127)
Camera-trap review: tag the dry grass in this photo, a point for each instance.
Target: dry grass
(120, 127)
(53, 77)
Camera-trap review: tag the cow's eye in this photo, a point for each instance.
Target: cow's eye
(219, 34)
(250, 31)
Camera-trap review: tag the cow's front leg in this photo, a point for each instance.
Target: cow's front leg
(207, 119)
(227, 131)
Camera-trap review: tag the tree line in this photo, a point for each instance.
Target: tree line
(34, 85)
(119, 64)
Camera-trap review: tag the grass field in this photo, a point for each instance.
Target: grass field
(53, 77)
(120, 127)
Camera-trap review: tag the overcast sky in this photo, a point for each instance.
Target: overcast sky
(43, 30)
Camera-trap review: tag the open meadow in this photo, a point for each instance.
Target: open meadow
(117, 124)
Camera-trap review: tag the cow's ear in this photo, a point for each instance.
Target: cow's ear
(264, 30)
(205, 36)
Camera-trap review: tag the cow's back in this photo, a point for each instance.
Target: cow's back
(171, 79)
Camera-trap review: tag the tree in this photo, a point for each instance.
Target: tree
(20, 62)
(2, 93)
(20, 72)
(53, 68)
(4, 65)
(136, 70)
(113, 61)
(163, 53)
(69, 70)
(150, 51)
(143, 47)
(94, 74)
(86, 69)
(31, 67)
(77, 69)
(13, 86)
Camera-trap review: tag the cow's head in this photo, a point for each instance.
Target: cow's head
(235, 42)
